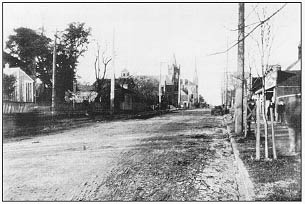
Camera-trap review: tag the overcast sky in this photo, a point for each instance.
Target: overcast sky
(147, 34)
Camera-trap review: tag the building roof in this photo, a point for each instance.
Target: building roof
(289, 78)
(284, 78)
(125, 70)
(85, 87)
(16, 71)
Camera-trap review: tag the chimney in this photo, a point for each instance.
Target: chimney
(299, 51)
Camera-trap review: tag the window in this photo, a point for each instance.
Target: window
(28, 92)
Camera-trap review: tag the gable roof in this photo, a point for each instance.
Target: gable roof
(17, 71)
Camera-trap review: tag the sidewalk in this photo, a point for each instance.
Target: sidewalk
(281, 133)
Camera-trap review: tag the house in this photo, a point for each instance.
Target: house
(282, 84)
(24, 87)
(127, 99)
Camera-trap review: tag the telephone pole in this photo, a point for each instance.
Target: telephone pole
(226, 78)
(179, 87)
(53, 76)
(160, 93)
(195, 80)
(112, 77)
(240, 69)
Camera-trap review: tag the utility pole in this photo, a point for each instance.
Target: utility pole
(160, 90)
(112, 77)
(240, 69)
(179, 87)
(160, 94)
(53, 76)
(195, 80)
(226, 85)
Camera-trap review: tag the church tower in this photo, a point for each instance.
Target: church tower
(195, 77)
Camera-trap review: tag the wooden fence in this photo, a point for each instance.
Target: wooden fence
(17, 107)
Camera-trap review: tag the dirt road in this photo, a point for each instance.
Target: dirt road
(179, 156)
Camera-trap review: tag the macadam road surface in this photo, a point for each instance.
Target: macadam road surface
(180, 156)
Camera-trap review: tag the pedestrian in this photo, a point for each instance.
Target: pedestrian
(268, 109)
(281, 111)
(272, 106)
(86, 106)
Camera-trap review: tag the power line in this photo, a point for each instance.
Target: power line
(262, 22)
(245, 26)
(253, 9)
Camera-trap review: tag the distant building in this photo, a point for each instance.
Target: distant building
(24, 87)
(189, 93)
(126, 78)
(125, 73)
(85, 93)
(187, 90)
(169, 85)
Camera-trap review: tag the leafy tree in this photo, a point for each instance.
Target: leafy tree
(8, 85)
(31, 51)
(11, 60)
(129, 81)
(147, 89)
(201, 99)
(73, 43)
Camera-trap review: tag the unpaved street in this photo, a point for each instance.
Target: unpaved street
(180, 156)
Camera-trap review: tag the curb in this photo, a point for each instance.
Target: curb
(245, 185)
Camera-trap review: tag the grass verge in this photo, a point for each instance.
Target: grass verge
(273, 180)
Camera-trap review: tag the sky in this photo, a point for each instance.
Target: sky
(147, 36)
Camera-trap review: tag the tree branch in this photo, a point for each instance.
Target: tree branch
(261, 23)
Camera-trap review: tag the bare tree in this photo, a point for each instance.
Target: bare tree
(264, 45)
(105, 61)
(100, 79)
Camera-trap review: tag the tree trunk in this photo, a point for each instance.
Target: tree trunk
(258, 130)
(292, 135)
(265, 122)
(272, 134)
